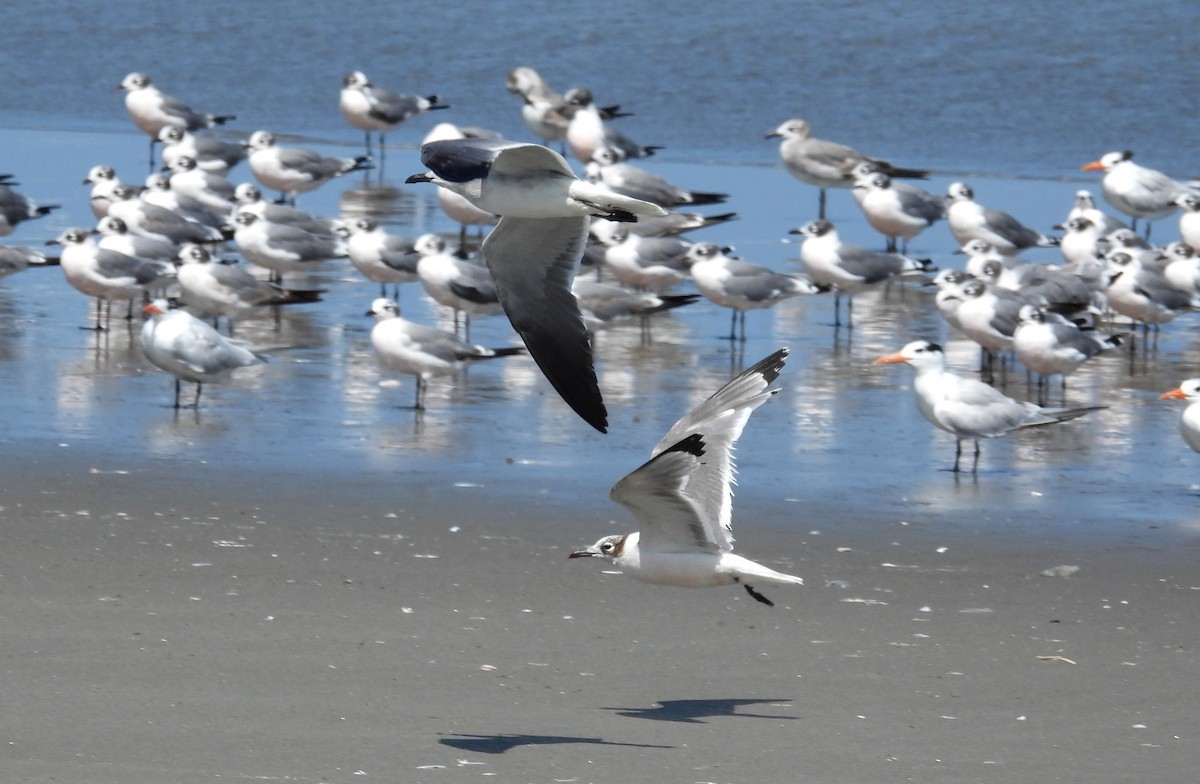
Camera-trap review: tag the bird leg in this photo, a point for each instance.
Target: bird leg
(821, 205)
(758, 597)
(975, 465)
(177, 385)
(957, 453)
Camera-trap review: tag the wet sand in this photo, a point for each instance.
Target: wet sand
(202, 624)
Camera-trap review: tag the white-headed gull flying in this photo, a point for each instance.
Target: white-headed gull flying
(682, 497)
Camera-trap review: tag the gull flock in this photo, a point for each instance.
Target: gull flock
(578, 234)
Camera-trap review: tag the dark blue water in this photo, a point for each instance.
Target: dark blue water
(1015, 98)
(1003, 88)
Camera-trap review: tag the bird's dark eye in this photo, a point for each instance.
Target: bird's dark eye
(607, 547)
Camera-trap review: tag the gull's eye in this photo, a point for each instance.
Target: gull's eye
(607, 547)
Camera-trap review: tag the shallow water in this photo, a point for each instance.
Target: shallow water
(843, 442)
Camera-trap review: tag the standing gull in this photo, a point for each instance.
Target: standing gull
(370, 108)
(740, 285)
(849, 268)
(970, 220)
(534, 251)
(422, 351)
(896, 209)
(827, 164)
(106, 274)
(293, 170)
(152, 110)
(211, 154)
(682, 498)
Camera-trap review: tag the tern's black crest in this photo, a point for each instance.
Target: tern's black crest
(460, 160)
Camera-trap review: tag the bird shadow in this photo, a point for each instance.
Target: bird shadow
(500, 743)
(695, 711)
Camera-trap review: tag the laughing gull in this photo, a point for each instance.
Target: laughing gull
(1143, 293)
(682, 498)
(282, 248)
(534, 251)
(381, 257)
(159, 193)
(421, 351)
(115, 235)
(644, 263)
(370, 108)
(209, 153)
(186, 347)
(212, 289)
(457, 207)
(609, 168)
(588, 131)
(674, 223)
(14, 259)
(463, 285)
(152, 110)
(740, 285)
(293, 170)
(965, 407)
(103, 180)
(106, 274)
(1189, 420)
(1138, 191)
(1085, 207)
(895, 208)
(15, 208)
(250, 199)
(1049, 344)
(849, 268)
(545, 113)
(968, 220)
(827, 164)
(1081, 240)
(151, 220)
(209, 189)
(604, 305)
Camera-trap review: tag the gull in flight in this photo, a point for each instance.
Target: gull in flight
(967, 407)
(534, 251)
(682, 500)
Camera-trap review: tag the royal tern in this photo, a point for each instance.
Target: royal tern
(186, 347)
(968, 220)
(371, 108)
(740, 285)
(1138, 191)
(422, 351)
(965, 407)
(293, 170)
(534, 252)
(1189, 420)
(827, 164)
(682, 498)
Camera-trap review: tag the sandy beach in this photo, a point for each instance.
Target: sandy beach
(211, 626)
